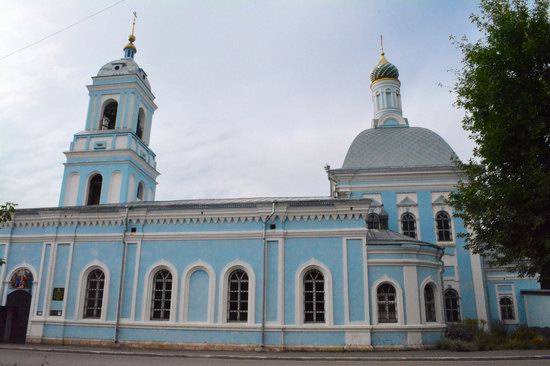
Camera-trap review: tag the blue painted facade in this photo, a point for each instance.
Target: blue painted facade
(277, 242)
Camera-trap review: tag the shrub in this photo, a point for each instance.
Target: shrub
(523, 334)
(457, 345)
(458, 332)
(498, 329)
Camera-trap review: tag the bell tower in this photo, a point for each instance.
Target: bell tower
(110, 160)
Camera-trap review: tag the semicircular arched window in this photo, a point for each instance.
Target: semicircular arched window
(161, 299)
(93, 301)
(314, 297)
(452, 306)
(387, 303)
(237, 297)
(443, 222)
(408, 225)
(429, 303)
(506, 305)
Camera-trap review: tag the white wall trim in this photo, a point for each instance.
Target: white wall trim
(81, 289)
(299, 292)
(146, 305)
(374, 301)
(237, 264)
(186, 277)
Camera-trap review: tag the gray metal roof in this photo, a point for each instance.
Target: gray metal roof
(381, 236)
(124, 66)
(399, 147)
(209, 203)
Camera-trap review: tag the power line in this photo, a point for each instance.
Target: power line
(61, 30)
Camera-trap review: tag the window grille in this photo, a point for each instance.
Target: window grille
(408, 225)
(452, 306)
(93, 302)
(237, 299)
(162, 295)
(387, 304)
(429, 303)
(314, 297)
(443, 222)
(373, 221)
(507, 308)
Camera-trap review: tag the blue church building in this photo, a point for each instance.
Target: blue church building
(377, 264)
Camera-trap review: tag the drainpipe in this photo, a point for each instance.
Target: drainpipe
(122, 272)
(264, 268)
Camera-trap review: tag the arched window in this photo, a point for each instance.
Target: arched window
(237, 299)
(408, 224)
(387, 303)
(94, 190)
(140, 191)
(443, 221)
(161, 300)
(506, 305)
(373, 221)
(429, 303)
(452, 306)
(108, 119)
(140, 123)
(314, 297)
(93, 302)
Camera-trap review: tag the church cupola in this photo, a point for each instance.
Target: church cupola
(110, 160)
(386, 94)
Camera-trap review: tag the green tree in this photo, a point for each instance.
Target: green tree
(6, 213)
(504, 88)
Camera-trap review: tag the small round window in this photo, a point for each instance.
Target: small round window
(117, 67)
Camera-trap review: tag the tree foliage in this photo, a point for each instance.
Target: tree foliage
(6, 211)
(504, 87)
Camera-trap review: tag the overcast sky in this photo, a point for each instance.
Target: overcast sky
(254, 97)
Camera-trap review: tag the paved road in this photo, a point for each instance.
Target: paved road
(10, 357)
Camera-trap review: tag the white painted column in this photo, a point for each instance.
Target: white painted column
(412, 309)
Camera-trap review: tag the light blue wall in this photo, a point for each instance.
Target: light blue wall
(272, 280)
(198, 297)
(356, 282)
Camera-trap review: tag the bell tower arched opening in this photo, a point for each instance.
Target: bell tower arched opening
(140, 123)
(94, 190)
(108, 117)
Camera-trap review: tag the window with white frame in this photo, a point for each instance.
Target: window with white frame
(237, 299)
(408, 225)
(314, 297)
(429, 303)
(93, 301)
(506, 305)
(161, 299)
(452, 306)
(387, 303)
(443, 223)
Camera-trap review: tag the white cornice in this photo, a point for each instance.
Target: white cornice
(133, 158)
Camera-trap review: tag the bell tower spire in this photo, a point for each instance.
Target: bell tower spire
(130, 49)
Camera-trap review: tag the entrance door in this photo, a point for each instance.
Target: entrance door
(20, 300)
